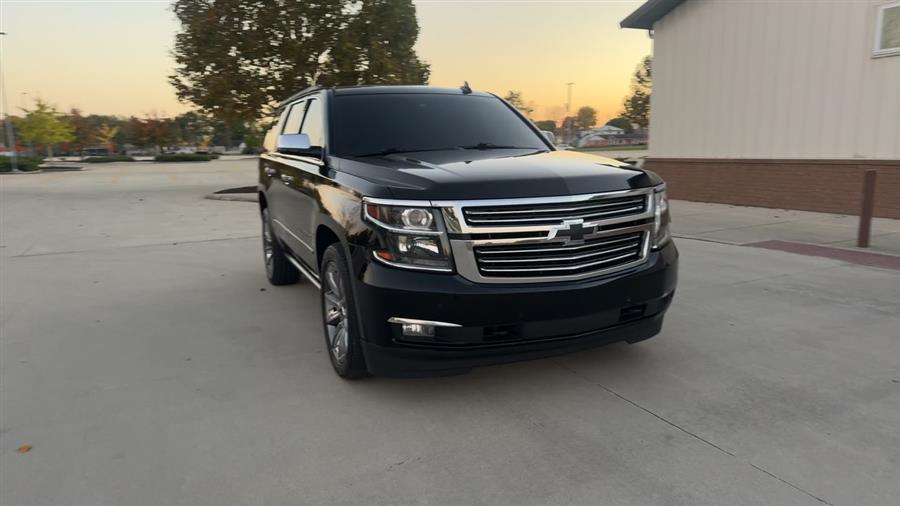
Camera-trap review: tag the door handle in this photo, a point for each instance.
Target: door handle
(287, 179)
(270, 171)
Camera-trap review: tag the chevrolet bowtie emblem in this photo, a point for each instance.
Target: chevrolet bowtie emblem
(573, 231)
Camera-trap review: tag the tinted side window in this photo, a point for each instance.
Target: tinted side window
(294, 118)
(313, 126)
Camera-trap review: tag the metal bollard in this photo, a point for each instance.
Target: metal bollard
(868, 207)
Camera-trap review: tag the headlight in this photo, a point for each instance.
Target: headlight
(412, 237)
(661, 219)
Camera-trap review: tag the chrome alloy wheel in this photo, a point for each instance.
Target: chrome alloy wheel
(336, 314)
(268, 244)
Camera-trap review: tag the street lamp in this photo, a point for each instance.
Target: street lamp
(10, 136)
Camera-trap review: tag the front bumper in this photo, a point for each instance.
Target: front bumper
(505, 323)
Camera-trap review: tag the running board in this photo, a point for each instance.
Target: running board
(303, 270)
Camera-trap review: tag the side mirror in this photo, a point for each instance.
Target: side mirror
(294, 144)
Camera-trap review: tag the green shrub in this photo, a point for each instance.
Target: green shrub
(251, 150)
(108, 159)
(24, 163)
(185, 157)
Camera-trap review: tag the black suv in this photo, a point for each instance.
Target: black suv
(445, 232)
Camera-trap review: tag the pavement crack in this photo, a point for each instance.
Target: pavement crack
(151, 245)
(795, 487)
(694, 435)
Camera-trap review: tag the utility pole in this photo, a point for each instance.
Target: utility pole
(568, 96)
(10, 136)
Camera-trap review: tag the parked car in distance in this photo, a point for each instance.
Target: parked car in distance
(551, 137)
(445, 232)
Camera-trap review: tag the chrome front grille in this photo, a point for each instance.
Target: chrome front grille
(556, 258)
(555, 213)
(545, 239)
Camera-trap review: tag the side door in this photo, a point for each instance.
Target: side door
(303, 172)
(281, 194)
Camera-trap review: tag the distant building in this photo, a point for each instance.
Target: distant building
(607, 130)
(608, 135)
(775, 104)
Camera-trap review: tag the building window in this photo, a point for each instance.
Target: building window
(887, 30)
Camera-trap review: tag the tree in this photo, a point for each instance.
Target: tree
(193, 128)
(637, 105)
(547, 124)
(44, 126)
(236, 58)
(622, 123)
(515, 99)
(586, 117)
(81, 129)
(105, 135)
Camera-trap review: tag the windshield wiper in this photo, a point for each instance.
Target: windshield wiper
(489, 145)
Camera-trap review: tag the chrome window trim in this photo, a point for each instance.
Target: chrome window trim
(299, 158)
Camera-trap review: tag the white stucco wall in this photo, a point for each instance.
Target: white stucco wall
(773, 79)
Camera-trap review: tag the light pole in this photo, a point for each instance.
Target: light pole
(10, 136)
(568, 124)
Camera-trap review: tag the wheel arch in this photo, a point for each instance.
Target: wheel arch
(263, 202)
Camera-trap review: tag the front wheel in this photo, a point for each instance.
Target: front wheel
(339, 315)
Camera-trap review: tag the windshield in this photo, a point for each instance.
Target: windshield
(381, 124)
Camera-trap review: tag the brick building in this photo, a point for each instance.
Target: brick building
(775, 104)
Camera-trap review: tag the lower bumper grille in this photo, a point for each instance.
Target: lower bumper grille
(550, 259)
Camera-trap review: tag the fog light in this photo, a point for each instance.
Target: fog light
(418, 330)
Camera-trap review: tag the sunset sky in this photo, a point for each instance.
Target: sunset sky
(112, 57)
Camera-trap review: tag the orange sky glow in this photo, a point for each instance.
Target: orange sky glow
(113, 57)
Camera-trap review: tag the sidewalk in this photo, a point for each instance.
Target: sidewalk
(748, 225)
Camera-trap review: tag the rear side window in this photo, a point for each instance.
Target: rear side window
(313, 126)
(294, 119)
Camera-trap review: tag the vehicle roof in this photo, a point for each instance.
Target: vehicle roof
(381, 90)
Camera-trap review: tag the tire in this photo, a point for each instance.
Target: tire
(342, 337)
(279, 269)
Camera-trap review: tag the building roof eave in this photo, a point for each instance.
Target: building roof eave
(649, 13)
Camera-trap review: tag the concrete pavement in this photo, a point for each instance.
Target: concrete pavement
(147, 361)
(746, 225)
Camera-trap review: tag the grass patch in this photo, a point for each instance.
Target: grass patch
(108, 159)
(185, 157)
(24, 163)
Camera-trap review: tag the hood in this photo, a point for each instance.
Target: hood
(472, 174)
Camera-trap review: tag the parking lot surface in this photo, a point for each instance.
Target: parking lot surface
(145, 360)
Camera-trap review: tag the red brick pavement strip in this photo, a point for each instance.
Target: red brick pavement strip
(851, 256)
